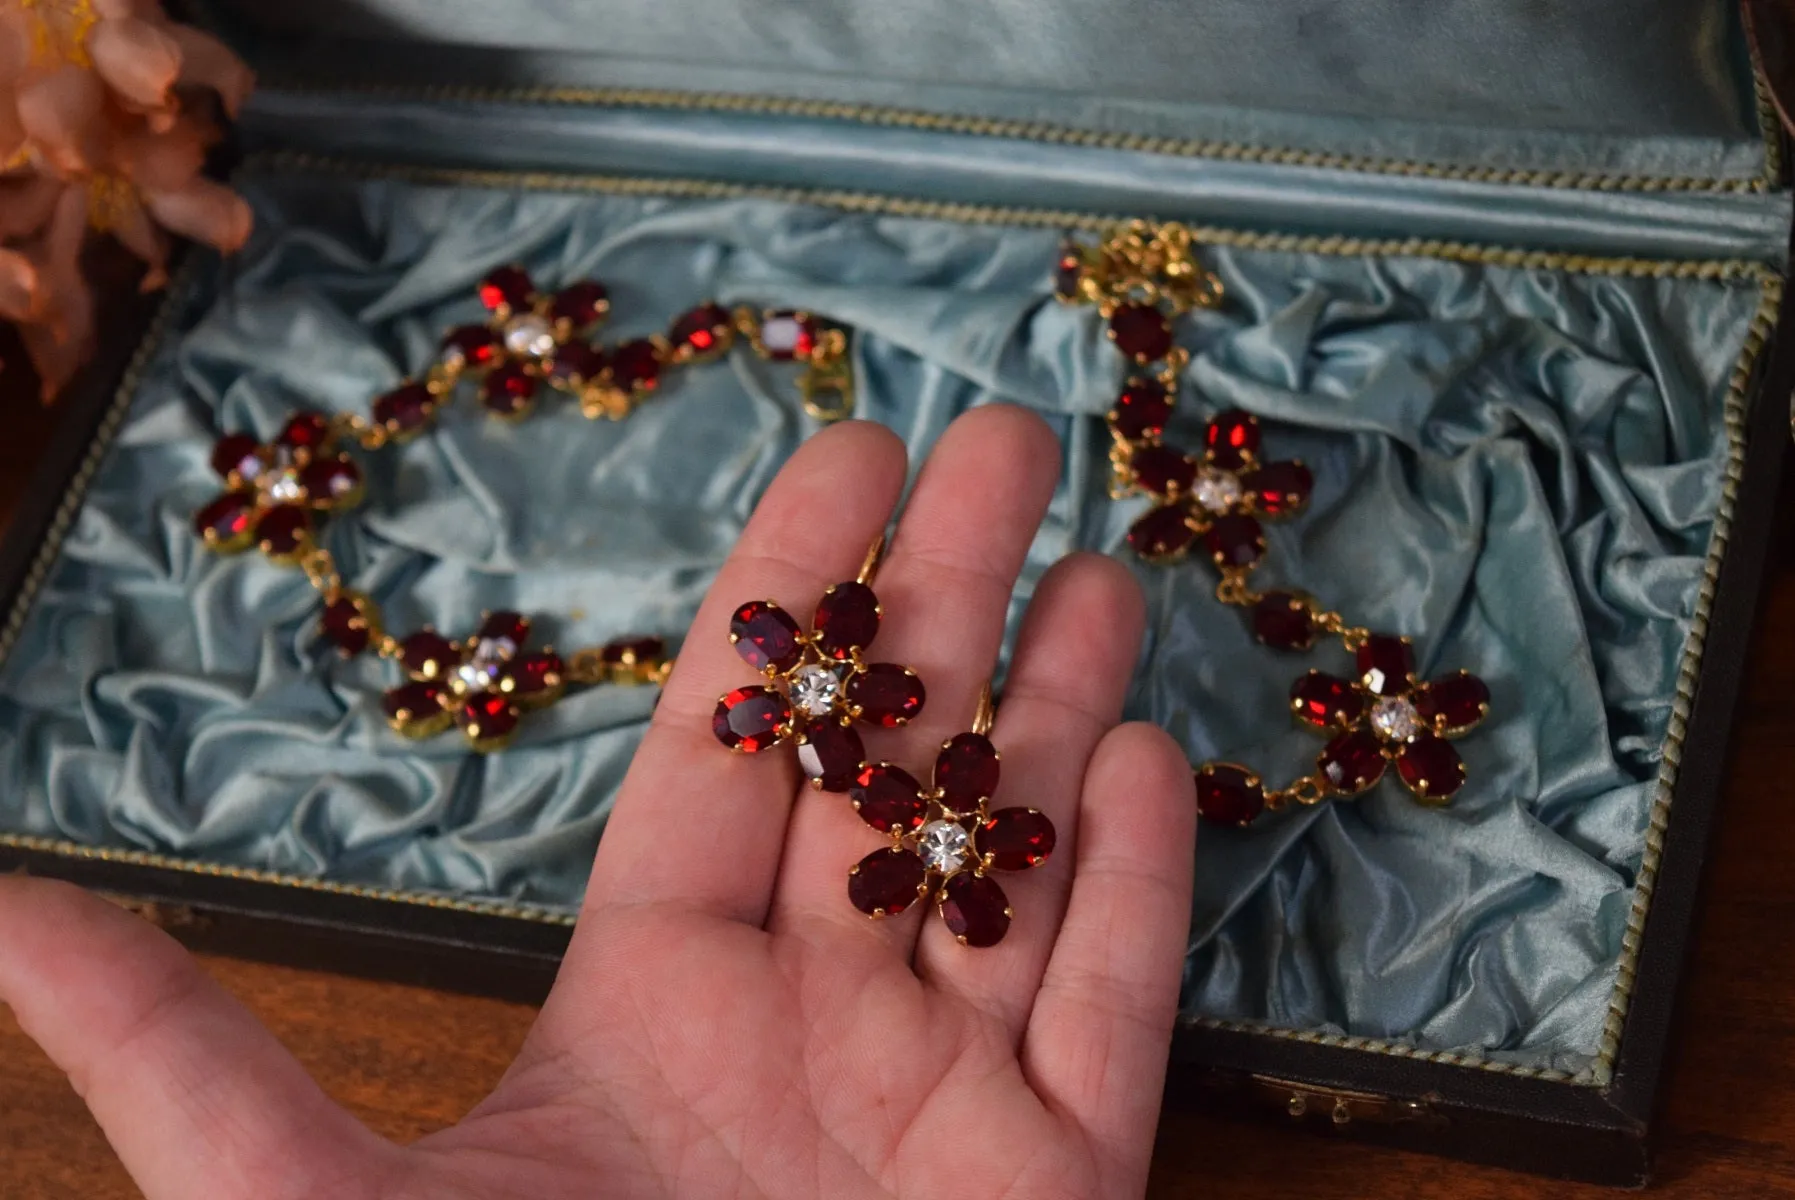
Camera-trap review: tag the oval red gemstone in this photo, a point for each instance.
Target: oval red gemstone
(1161, 533)
(888, 798)
(346, 625)
(831, 754)
(405, 409)
(630, 652)
(886, 694)
(886, 882)
(579, 304)
(468, 346)
(508, 389)
(788, 335)
(414, 703)
(765, 636)
(1235, 540)
(1325, 701)
(1431, 768)
(429, 654)
(1232, 439)
(1385, 664)
(304, 431)
(847, 619)
(1352, 762)
(703, 330)
(533, 674)
(576, 363)
(1162, 470)
(1069, 273)
(1142, 410)
(1016, 838)
(1229, 795)
(507, 287)
(966, 771)
(1282, 620)
(504, 625)
(1280, 488)
(237, 454)
(488, 715)
(284, 529)
(1454, 703)
(636, 366)
(329, 481)
(1141, 332)
(751, 719)
(975, 909)
(224, 523)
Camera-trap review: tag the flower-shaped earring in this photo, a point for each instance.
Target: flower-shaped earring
(821, 683)
(945, 840)
(273, 490)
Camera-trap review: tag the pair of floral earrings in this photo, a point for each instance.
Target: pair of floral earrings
(1141, 279)
(943, 840)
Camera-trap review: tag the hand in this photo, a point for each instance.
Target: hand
(725, 1023)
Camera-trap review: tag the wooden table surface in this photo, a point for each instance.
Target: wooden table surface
(408, 1061)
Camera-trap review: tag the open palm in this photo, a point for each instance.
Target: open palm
(726, 1023)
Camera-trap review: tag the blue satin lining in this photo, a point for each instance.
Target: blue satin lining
(1519, 468)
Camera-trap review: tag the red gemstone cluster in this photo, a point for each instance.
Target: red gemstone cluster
(945, 840)
(275, 491)
(821, 684)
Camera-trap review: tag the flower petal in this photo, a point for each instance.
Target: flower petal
(207, 62)
(63, 112)
(205, 211)
(137, 60)
(21, 290)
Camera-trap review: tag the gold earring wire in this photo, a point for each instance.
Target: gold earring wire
(986, 716)
(874, 555)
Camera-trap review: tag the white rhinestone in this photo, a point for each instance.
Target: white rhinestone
(943, 846)
(250, 467)
(285, 488)
(1395, 718)
(781, 335)
(1217, 491)
(815, 689)
(529, 336)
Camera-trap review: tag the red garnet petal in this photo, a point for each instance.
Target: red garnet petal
(237, 452)
(346, 625)
(1142, 410)
(975, 909)
(751, 719)
(304, 431)
(1141, 332)
(1233, 439)
(405, 410)
(1352, 762)
(488, 715)
(636, 366)
(886, 882)
(579, 304)
(831, 754)
(1162, 470)
(508, 389)
(330, 481)
(966, 771)
(224, 523)
(576, 363)
(888, 798)
(1280, 488)
(887, 694)
(1229, 795)
(765, 636)
(1161, 533)
(847, 619)
(429, 654)
(1385, 664)
(1282, 620)
(284, 529)
(1455, 703)
(1325, 701)
(1068, 274)
(785, 336)
(510, 626)
(703, 330)
(507, 287)
(1015, 838)
(533, 674)
(414, 703)
(468, 346)
(1431, 768)
(1235, 540)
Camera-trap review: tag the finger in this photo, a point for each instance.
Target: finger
(1065, 690)
(194, 1094)
(694, 824)
(1098, 1037)
(945, 590)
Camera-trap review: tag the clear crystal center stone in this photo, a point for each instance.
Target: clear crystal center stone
(1217, 491)
(529, 336)
(1395, 719)
(943, 846)
(285, 488)
(481, 672)
(815, 690)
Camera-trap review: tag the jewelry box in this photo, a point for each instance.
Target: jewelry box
(1507, 279)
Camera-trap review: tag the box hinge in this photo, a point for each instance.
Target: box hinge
(1306, 1101)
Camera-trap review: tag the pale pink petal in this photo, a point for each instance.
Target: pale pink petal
(26, 202)
(134, 229)
(61, 339)
(139, 61)
(209, 63)
(163, 162)
(205, 211)
(63, 112)
(12, 134)
(15, 44)
(21, 290)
